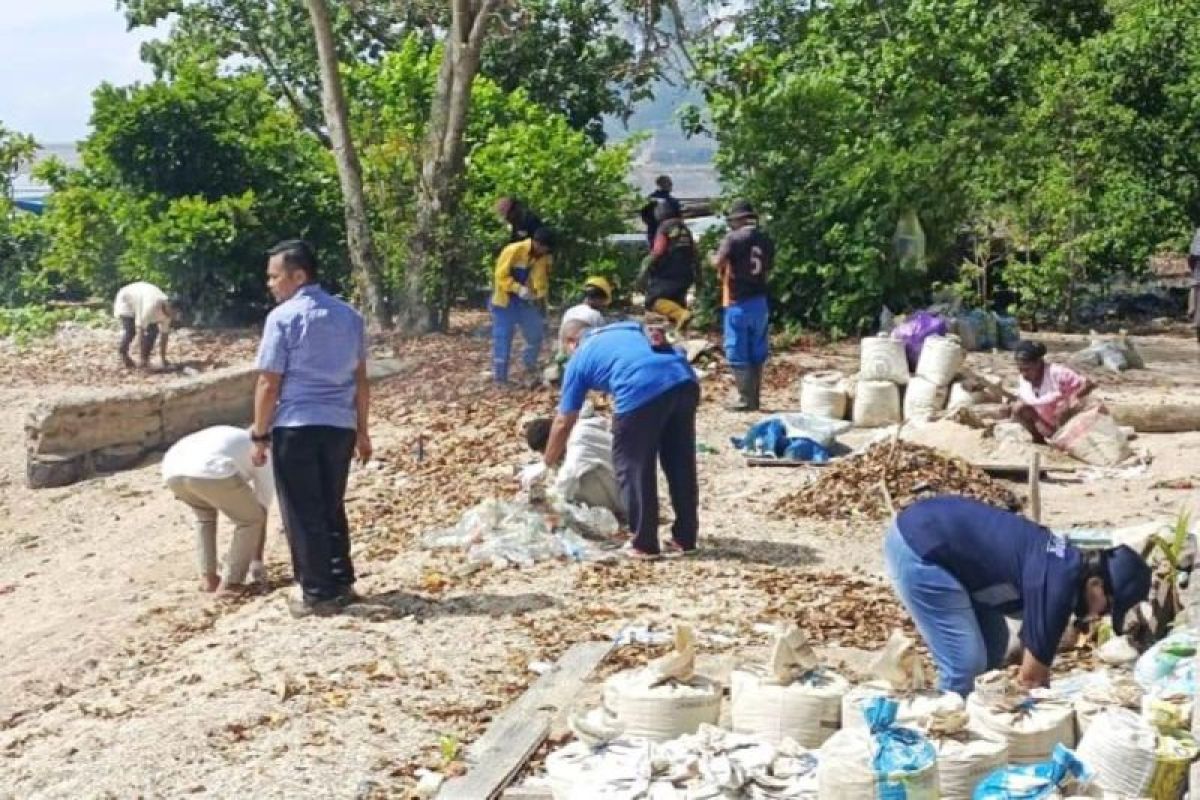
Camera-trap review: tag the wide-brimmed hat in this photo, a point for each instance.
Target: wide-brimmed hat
(741, 209)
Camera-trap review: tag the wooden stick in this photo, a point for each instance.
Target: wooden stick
(887, 498)
(1035, 486)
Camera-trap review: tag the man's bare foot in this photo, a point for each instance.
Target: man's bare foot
(128, 362)
(209, 583)
(233, 589)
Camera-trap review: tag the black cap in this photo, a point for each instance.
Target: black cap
(546, 237)
(1128, 583)
(741, 209)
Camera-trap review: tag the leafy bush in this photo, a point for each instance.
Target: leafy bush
(185, 184)
(24, 323)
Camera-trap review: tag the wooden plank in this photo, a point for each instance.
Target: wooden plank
(512, 737)
(527, 793)
(753, 461)
(1018, 471)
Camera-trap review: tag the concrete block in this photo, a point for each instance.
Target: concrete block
(73, 437)
(52, 471)
(85, 421)
(224, 397)
(118, 457)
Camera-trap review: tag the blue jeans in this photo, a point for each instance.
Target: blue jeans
(505, 322)
(746, 333)
(966, 639)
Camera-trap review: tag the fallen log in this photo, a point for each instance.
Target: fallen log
(1157, 417)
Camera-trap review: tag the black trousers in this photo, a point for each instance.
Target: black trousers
(312, 465)
(661, 432)
(129, 332)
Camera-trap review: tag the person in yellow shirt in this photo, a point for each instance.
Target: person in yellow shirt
(520, 286)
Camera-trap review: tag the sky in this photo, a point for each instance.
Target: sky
(54, 53)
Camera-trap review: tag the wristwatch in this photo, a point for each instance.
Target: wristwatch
(263, 439)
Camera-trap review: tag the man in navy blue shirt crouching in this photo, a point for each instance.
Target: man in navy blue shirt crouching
(961, 566)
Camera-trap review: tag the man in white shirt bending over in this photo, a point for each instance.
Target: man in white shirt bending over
(144, 310)
(210, 471)
(586, 476)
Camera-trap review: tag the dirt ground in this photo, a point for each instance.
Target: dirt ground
(120, 680)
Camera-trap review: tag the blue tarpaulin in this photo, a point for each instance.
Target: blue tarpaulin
(32, 205)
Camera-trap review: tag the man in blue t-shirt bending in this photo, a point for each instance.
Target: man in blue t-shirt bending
(655, 394)
(961, 566)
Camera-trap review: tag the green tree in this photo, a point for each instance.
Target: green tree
(836, 119)
(512, 146)
(187, 183)
(21, 238)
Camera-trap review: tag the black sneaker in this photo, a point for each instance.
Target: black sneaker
(301, 608)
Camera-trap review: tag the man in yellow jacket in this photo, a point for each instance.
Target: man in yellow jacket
(520, 286)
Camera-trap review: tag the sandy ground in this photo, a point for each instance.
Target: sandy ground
(120, 680)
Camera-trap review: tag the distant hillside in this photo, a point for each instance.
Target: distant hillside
(687, 160)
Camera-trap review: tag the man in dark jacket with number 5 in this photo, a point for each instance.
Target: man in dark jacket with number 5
(743, 263)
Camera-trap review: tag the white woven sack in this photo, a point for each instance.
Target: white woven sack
(808, 710)
(923, 399)
(823, 394)
(664, 711)
(961, 397)
(1032, 732)
(1108, 692)
(845, 770)
(882, 358)
(605, 773)
(941, 359)
(876, 404)
(915, 711)
(1120, 746)
(965, 760)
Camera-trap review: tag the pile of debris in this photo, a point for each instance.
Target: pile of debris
(851, 489)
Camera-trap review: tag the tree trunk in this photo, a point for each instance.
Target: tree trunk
(440, 186)
(361, 245)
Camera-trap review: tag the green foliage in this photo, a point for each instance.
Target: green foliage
(1072, 127)
(514, 147)
(25, 323)
(186, 184)
(571, 56)
(21, 241)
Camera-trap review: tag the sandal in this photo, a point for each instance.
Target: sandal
(673, 549)
(631, 552)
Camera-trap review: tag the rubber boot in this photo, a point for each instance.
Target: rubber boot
(743, 380)
(756, 376)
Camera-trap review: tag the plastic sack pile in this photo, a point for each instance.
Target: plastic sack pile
(519, 533)
(711, 763)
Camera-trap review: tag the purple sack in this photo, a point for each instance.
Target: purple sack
(913, 332)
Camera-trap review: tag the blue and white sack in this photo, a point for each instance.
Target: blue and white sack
(881, 761)
(1049, 781)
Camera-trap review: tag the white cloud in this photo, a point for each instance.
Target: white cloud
(54, 53)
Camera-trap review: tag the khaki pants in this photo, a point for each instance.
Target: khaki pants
(234, 498)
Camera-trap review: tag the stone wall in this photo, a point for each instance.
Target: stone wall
(106, 430)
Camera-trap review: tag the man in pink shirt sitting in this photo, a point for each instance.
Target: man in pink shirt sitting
(1049, 394)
